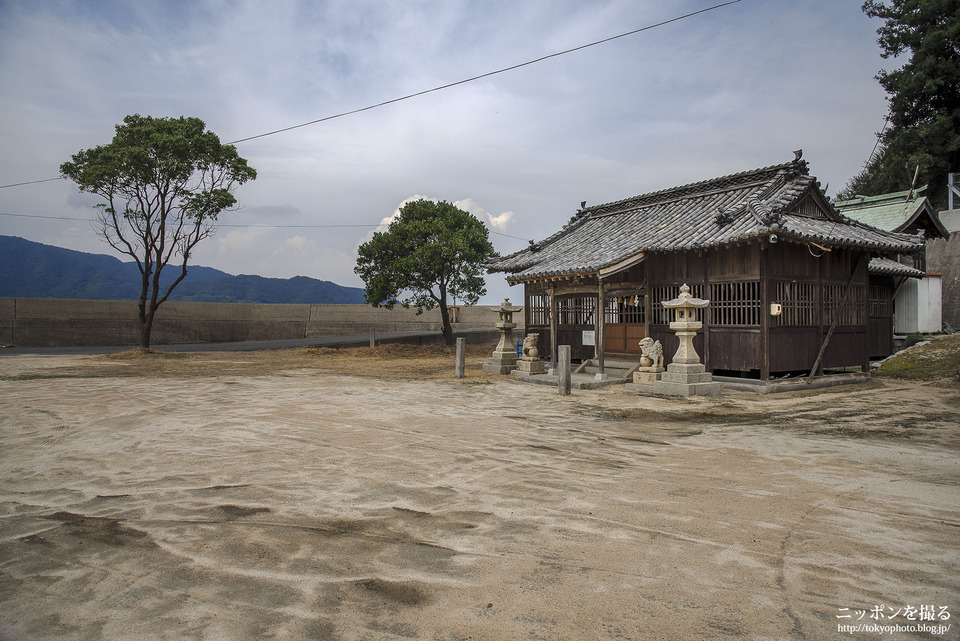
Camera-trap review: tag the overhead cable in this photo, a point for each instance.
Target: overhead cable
(484, 75)
(251, 226)
(446, 86)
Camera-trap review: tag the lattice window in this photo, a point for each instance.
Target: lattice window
(538, 309)
(660, 314)
(735, 303)
(851, 310)
(626, 309)
(881, 305)
(798, 302)
(576, 311)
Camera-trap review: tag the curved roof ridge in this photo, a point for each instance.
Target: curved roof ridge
(906, 196)
(721, 183)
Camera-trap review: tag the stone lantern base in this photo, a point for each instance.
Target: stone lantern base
(501, 363)
(504, 358)
(687, 379)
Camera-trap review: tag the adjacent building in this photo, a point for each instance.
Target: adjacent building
(917, 305)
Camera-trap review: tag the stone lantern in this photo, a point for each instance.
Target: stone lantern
(504, 358)
(686, 375)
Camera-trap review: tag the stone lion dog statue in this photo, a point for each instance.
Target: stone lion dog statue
(529, 349)
(651, 354)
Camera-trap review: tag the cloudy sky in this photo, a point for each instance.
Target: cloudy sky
(730, 89)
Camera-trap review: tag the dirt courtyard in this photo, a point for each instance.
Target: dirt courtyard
(353, 495)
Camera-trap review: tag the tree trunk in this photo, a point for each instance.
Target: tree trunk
(445, 315)
(447, 327)
(146, 326)
(145, 318)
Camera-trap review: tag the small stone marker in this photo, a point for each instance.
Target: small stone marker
(563, 369)
(373, 338)
(461, 357)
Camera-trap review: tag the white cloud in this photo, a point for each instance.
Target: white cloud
(468, 205)
(500, 221)
(725, 91)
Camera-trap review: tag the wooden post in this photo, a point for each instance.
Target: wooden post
(600, 336)
(461, 357)
(553, 328)
(765, 324)
(707, 324)
(373, 338)
(563, 368)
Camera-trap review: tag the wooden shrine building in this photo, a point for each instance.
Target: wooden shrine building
(785, 274)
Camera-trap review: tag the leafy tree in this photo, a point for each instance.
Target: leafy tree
(163, 181)
(924, 97)
(432, 250)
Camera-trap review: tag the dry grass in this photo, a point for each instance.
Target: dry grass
(937, 361)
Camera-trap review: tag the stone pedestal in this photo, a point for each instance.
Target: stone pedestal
(645, 377)
(504, 358)
(685, 379)
(531, 366)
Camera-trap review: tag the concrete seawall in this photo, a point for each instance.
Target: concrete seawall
(48, 322)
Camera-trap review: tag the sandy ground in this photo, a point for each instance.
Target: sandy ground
(279, 496)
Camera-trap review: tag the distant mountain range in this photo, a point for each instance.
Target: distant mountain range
(35, 270)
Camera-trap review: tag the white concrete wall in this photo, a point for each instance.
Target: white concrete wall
(950, 219)
(919, 307)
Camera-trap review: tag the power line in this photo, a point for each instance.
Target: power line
(32, 182)
(449, 85)
(871, 157)
(484, 75)
(44, 217)
(254, 226)
(216, 224)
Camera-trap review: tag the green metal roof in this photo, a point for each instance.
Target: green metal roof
(894, 212)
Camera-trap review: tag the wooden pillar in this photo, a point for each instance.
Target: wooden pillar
(600, 332)
(765, 311)
(707, 324)
(821, 309)
(866, 315)
(552, 291)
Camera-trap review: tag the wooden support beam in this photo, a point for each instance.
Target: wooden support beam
(836, 317)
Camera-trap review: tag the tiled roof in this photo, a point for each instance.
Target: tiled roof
(893, 212)
(889, 267)
(731, 209)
